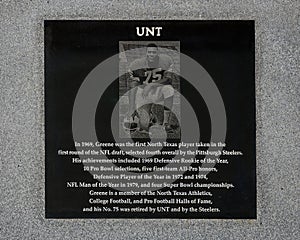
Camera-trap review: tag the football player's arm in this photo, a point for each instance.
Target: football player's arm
(167, 76)
(132, 79)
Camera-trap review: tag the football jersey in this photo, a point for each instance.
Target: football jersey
(148, 72)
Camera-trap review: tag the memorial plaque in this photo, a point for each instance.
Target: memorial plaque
(150, 119)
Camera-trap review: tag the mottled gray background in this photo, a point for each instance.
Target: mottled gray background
(22, 120)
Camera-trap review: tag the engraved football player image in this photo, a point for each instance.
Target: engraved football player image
(152, 75)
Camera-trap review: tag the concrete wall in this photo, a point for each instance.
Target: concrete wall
(22, 120)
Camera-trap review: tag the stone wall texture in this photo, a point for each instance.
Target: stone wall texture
(22, 119)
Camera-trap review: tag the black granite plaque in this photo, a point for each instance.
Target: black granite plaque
(150, 119)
